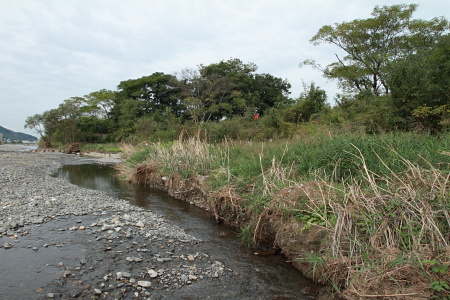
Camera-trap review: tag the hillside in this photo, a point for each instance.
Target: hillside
(16, 136)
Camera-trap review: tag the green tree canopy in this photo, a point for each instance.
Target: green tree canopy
(420, 84)
(311, 101)
(231, 88)
(369, 45)
(99, 103)
(155, 93)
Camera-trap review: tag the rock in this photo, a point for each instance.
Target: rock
(97, 291)
(192, 277)
(145, 284)
(7, 245)
(152, 273)
(120, 275)
(67, 273)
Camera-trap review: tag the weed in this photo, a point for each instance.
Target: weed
(315, 261)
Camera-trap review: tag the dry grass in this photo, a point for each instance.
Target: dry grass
(277, 176)
(385, 234)
(188, 153)
(380, 235)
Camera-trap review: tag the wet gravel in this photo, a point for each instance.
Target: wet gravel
(79, 243)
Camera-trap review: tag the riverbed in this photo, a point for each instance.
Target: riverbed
(59, 240)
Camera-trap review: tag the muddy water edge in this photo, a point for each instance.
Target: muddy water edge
(257, 277)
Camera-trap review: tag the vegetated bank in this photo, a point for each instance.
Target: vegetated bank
(366, 214)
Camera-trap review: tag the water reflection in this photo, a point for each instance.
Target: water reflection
(271, 276)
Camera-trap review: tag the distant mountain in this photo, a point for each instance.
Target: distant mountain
(16, 136)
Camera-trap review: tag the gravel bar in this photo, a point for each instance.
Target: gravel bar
(58, 240)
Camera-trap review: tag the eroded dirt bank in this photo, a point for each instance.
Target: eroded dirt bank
(303, 244)
(225, 204)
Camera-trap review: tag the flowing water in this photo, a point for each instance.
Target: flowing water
(268, 277)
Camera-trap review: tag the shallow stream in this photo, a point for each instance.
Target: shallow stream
(269, 277)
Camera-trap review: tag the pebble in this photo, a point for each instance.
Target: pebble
(7, 245)
(145, 284)
(152, 273)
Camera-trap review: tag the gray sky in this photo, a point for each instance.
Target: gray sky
(51, 50)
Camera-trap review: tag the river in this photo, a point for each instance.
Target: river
(265, 277)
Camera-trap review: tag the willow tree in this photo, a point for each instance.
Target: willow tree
(369, 45)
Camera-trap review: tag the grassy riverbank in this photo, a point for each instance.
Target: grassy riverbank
(367, 214)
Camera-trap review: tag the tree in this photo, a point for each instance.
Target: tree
(371, 44)
(36, 123)
(61, 123)
(158, 94)
(420, 87)
(155, 93)
(271, 91)
(230, 88)
(99, 103)
(229, 85)
(311, 101)
(205, 96)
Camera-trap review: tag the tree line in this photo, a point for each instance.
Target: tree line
(394, 74)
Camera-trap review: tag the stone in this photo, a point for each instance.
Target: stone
(145, 284)
(152, 273)
(7, 245)
(192, 277)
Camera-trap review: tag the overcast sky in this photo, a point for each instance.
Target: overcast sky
(51, 50)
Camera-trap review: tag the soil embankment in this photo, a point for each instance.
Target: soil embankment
(276, 231)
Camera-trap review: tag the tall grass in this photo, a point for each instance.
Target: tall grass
(187, 156)
(382, 225)
(383, 199)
